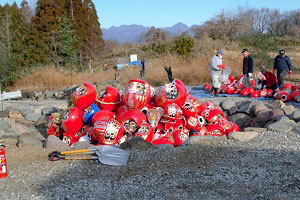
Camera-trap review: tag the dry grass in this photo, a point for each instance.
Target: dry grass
(192, 72)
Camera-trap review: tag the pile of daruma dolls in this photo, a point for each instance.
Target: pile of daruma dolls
(166, 115)
(290, 92)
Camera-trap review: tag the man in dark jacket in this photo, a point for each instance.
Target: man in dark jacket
(247, 68)
(283, 65)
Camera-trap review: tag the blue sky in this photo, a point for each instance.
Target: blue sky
(163, 13)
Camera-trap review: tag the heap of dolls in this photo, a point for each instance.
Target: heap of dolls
(166, 115)
(290, 92)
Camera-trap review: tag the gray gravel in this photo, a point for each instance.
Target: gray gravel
(267, 167)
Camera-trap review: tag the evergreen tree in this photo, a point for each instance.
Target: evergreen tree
(44, 23)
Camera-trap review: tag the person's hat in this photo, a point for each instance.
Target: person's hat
(282, 51)
(263, 69)
(220, 52)
(244, 50)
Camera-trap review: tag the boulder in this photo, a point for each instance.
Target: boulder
(4, 113)
(136, 143)
(263, 115)
(242, 136)
(4, 125)
(255, 129)
(55, 144)
(33, 116)
(282, 126)
(49, 110)
(30, 141)
(248, 107)
(49, 94)
(281, 117)
(15, 114)
(82, 145)
(42, 121)
(288, 110)
(201, 140)
(268, 123)
(241, 119)
(275, 113)
(60, 95)
(278, 104)
(295, 115)
(227, 104)
(25, 111)
(26, 122)
(232, 110)
(259, 108)
(19, 129)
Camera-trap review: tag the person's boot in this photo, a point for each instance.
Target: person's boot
(212, 92)
(216, 92)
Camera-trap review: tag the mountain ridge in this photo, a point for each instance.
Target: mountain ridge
(131, 33)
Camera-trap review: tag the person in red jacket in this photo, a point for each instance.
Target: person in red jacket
(267, 79)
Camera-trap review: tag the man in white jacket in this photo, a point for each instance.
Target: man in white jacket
(216, 68)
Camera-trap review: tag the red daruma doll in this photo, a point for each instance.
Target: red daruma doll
(3, 165)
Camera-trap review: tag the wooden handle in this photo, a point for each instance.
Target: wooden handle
(78, 158)
(75, 151)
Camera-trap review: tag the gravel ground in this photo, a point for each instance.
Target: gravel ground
(266, 167)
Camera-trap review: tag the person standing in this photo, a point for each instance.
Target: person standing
(283, 65)
(247, 68)
(216, 68)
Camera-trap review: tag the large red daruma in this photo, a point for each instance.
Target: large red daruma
(108, 131)
(109, 99)
(84, 96)
(137, 95)
(72, 121)
(171, 93)
(132, 120)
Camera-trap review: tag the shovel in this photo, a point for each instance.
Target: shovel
(108, 155)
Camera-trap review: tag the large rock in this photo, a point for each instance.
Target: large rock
(15, 114)
(25, 111)
(278, 104)
(255, 129)
(4, 113)
(26, 122)
(259, 108)
(263, 115)
(136, 143)
(42, 121)
(275, 113)
(29, 141)
(48, 110)
(295, 115)
(49, 94)
(282, 126)
(19, 129)
(201, 140)
(55, 144)
(248, 107)
(242, 136)
(33, 116)
(227, 104)
(241, 119)
(82, 145)
(4, 125)
(288, 110)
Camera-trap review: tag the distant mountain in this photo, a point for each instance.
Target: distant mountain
(132, 33)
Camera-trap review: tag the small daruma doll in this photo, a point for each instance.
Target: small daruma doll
(137, 95)
(84, 96)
